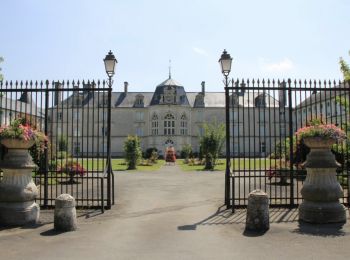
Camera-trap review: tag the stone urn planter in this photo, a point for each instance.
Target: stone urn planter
(321, 190)
(17, 189)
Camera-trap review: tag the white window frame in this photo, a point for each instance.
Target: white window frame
(169, 124)
(154, 125)
(139, 116)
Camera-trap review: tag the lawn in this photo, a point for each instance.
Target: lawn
(95, 164)
(236, 164)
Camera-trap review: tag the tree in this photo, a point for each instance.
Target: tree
(186, 152)
(62, 143)
(132, 149)
(1, 75)
(345, 68)
(344, 148)
(211, 143)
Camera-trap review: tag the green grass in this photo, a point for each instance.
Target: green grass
(95, 164)
(236, 164)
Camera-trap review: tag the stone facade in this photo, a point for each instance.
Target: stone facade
(167, 116)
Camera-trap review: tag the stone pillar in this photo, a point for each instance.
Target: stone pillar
(17, 189)
(258, 211)
(321, 190)
(65, 218)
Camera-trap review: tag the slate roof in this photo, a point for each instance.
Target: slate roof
(19, 106)
(211, 99)
(169, 82)
(160, 90)
(322, 96)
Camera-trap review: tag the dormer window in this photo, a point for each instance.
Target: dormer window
(199, 101)
(260, 101)
(169, 95)
(103, 102)
(77, 102)
(139, 101)
(234, 99)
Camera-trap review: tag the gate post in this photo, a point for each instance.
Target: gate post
(291, 157)
(46, 157)
(109, 163)
(228, 154)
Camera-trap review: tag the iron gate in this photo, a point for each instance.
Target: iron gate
(74, 117)
(263, 151)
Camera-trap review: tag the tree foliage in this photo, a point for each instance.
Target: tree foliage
(186, 152)
(211, 143)
(345, 69)
(62, 143)
(132, 150)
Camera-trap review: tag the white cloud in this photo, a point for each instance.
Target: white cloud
(281, 66)
(200, 51)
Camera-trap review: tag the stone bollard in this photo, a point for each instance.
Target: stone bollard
(258, 211)
(65, 213)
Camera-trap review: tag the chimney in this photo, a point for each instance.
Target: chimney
(126, 84)
(203, 87)
(58, 93)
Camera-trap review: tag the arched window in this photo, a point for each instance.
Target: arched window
(154, 124)
(169, 124)
(183, 125)
(169, 142)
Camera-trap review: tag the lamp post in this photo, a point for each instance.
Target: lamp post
(110, 61)
(225, 63)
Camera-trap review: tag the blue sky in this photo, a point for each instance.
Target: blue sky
(68, 39)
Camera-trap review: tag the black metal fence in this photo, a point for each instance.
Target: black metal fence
(264, 152)
(74, 117)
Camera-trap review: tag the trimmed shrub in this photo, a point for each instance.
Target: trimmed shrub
(149, 152)
(186, 152)
(132, 150)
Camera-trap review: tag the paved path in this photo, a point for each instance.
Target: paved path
(170, 214)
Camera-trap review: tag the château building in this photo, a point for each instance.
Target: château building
(168, 116)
